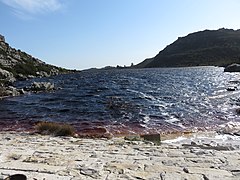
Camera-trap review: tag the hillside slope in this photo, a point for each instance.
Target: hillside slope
(18, 65)
(205, 48)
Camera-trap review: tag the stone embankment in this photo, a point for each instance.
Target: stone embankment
(46, 157)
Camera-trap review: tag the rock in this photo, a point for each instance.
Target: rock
(40, 86)
(6, 91)
(42, 74)
(89, 172)
(232, 68)
(216, 173)
(234, 88)
(236, 133)
(238, 110)
(9, 91)
(185, 170)
(21, 77)
(6, 76)
(17, 177)
(21, 91)
(210, 146)
(54, 72)
(30, 76)
(231, 128)
(12, 91)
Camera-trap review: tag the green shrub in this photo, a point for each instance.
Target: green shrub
(55, 129)
(25, 69)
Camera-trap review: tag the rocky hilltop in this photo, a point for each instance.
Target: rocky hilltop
(204, 48)
(18, 65)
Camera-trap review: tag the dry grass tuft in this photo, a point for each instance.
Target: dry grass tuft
(55, 129)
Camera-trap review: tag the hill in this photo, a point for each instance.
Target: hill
(204, 48)
(18, 65)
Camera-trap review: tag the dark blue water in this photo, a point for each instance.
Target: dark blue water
(132, 100)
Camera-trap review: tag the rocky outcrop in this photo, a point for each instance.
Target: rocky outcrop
(18, 65)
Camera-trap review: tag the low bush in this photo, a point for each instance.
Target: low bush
(55, 129)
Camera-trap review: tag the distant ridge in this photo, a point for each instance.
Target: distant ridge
(204, 48)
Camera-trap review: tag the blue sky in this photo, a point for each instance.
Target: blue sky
(80, 34)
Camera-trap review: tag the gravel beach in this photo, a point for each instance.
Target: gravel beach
(47, 157)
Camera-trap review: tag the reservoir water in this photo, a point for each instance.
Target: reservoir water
(129, 100)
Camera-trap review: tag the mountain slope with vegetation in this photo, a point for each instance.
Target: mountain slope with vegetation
(204, 48)
(18, 65)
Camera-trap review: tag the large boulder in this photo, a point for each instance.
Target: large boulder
(4, 74)
(232, 68)
(10, 91)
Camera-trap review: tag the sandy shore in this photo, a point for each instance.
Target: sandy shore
(46, 157)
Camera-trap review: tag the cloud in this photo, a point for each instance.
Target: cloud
(32, 7)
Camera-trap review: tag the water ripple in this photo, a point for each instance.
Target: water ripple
(160, 99)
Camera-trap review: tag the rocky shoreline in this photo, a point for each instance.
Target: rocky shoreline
(195, 156)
